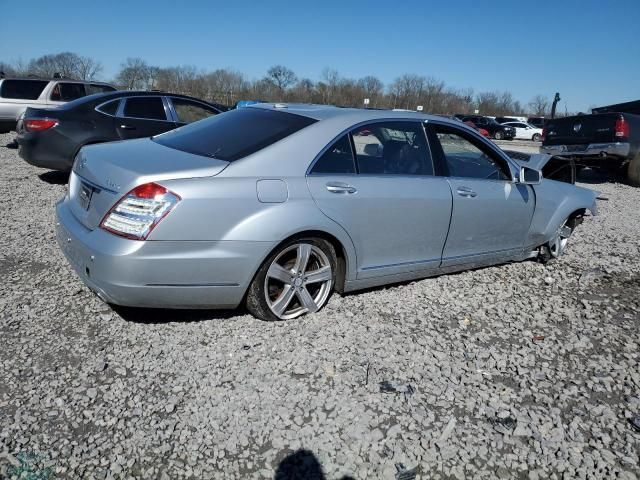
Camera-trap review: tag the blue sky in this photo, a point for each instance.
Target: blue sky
(587, 50)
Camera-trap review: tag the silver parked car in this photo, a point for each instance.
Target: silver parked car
(279, 205)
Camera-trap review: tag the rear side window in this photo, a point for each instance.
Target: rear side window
(22, 89)
(235, 134)
(145, 107)
(392, 148)
(338, 158)
(94, 88)
(110, 108)
(65, 92)
(189, 112)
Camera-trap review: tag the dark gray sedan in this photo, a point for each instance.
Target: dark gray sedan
(51, 138)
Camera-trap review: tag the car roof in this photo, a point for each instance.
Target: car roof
(49, 79)
(326, 112)
(105, 97)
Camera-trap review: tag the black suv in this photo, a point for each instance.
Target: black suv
(497, 131)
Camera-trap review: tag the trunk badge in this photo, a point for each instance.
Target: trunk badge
(577, 127)
(113, 185)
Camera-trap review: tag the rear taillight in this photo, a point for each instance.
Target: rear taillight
(544, 133)
(139, 211)
(39, 124)
(622, 128)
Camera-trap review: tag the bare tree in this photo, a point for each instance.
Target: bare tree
(67, 64)
(372, 88)
(281, 77)
(539, 105)
(135, 74)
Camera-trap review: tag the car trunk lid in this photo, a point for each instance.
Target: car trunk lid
(103, 174)
(581, 130)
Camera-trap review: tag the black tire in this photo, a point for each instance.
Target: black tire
(498, 135)
(536, 137)
(633, 170)
(256, 300)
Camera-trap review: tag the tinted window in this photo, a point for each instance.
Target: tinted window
(234, 134)
(65, 92)
(394, 148)
(145, 107)
(466, 158)
(189, 111)
(110, 108)
(93, 88)
(337, 159)
(22, 89)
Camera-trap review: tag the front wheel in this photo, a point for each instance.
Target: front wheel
(536, 137)
(498, 136)
(555, 247)
(297, 278)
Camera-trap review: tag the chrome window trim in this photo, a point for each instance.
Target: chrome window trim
(97, 108)
(120, 112)
(353, 153)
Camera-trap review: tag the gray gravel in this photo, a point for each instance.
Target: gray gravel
(517, 371)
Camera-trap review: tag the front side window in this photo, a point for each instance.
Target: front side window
(235, 134)
(392, 148)
(22, 89)
(65, 92)
(337, 159)
(467, 158)
(150, 108)
(189, 111)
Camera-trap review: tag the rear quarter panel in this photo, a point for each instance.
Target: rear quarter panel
(228, 209)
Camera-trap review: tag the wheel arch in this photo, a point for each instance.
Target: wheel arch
(342, 253)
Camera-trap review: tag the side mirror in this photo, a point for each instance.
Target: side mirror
(530, 176)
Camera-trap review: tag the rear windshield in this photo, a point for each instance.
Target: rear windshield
(23, 89)
(235, 134)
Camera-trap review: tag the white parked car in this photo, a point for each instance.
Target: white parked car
(525, 131)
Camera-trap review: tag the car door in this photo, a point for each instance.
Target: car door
(142, 116)
(491, 214)
(188, 111)
(378, 183)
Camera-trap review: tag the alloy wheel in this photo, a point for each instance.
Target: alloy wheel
(298, 281)
(558, 244)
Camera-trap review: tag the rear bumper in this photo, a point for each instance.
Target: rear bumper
(46, 150)
(159, 274)
(615, 149)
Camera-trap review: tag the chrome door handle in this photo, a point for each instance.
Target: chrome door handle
(466, 192)
(339, 187)
(127, 127)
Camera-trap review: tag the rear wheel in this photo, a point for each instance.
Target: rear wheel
(498, 136)
(536, 137)
(297, 278)
(633, 170)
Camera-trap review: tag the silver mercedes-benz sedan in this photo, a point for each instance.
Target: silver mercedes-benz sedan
(279, 205)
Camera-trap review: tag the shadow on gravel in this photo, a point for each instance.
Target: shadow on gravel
(301, 465)
(55, 178)
(166, 315)
(595, 177)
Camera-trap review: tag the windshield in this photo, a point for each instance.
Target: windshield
(233, 135)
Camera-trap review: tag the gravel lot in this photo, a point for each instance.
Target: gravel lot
(517, 371)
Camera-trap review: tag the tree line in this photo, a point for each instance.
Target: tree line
(281, 84)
